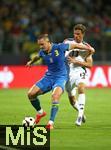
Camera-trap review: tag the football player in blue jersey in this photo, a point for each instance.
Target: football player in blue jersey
(54, 79)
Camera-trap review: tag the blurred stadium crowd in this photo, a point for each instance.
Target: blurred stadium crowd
(21, 21)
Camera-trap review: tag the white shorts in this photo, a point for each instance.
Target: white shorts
(76, 76)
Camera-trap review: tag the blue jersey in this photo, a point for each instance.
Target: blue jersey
(55, 60)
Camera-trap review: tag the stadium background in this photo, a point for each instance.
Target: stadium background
(21, 21)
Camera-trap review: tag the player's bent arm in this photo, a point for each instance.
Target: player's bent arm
(82, 47)
(34, 59)
(88, 63)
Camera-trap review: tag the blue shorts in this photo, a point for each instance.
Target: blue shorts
(48, 83)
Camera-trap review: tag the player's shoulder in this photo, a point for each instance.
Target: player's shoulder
(68, 40)
(85, 43)
(41, 52)
(56, 45)
(59, 44)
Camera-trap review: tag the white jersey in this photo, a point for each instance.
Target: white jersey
(82, 54)
(76, 73)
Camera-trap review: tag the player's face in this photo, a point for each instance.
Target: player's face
(44, 44)
(78, 36)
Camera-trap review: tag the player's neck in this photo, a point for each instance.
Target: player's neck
(79, 41)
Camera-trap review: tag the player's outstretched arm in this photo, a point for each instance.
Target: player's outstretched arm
(82, 47)
(34, 59)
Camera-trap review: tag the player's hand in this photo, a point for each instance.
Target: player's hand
(29, 63)
(92, 50)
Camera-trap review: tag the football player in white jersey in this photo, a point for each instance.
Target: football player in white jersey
(78, 61)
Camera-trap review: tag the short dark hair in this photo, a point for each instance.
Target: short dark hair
(44, 36)
(80, 27)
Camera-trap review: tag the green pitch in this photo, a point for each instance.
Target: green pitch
(95, 134)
